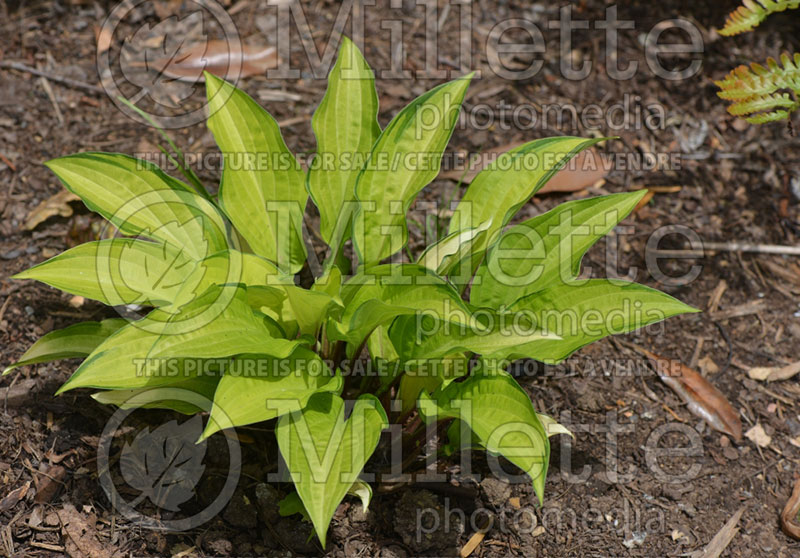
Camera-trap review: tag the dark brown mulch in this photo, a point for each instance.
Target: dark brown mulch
(737, 183)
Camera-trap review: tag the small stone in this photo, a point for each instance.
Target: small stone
(221, 547)
(393, 551)
(240, 512)
(268, 502)
(497, 491)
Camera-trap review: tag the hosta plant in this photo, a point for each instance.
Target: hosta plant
(423, 340)
(757, 93)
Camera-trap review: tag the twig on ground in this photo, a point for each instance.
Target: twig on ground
(730, 247)
(49, 90)
(20, 67)
(722, 539)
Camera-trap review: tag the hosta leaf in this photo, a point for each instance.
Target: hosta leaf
(218, 324)
(499, 190)
(404, 159)
(256, 388)
(232, 266)
(310, 308)
(167, 396)
(73, 341)
(374, 298)
(585, 311)
(325, 453)
(122, 362)
(140, 199)
(407, 285)
(117, 271)
(346, 126)
(443, 256)
(292, 504)
(163, 346)
(546, 250)
(363, 491)
(553, 427)
(502, 417)
(429, 376)
(421, 338)
(263, 188)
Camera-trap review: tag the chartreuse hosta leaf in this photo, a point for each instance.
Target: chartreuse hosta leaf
(73, 341)
(263, 188)
(140, 199)
(428, 376)
(256, 388)
(117, 271)
(546, 250)
(385, 292)
(404, 159)
(346, 126)
(461, 438)
(325, 452)
(499, 190)
(292, 504)
(452, 249)
(164, 346)
(502, 417)
(584, 311)
(421, 338)
(169, 395)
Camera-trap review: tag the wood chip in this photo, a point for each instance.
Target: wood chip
(722, 539)
(758, 436)
(774, 373)
(746, 309)
(472, 544)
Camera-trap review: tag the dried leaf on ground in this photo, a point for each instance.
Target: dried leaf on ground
(775, 373)
(722, 539)
(218, 58)
(13, 497)
(80, 536)
(587, 168)
(52, 206)
(701, 397)
(790, 516)
(48, 482)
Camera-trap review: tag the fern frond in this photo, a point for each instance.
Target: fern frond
(752, 13)
(766, 117)
(756, 90)
(765, 103)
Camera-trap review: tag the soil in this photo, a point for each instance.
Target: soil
(605, 496)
